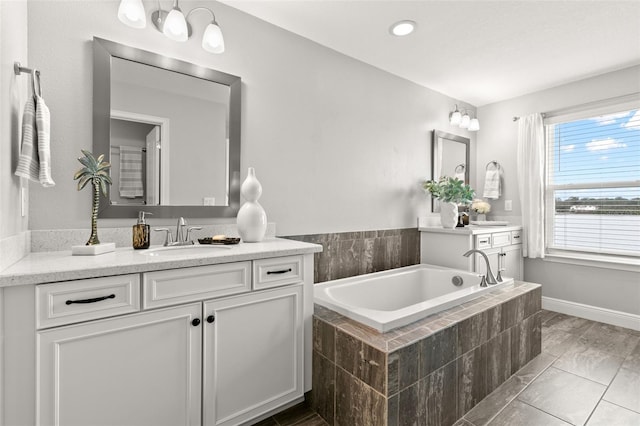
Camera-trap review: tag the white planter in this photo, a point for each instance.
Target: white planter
(448, 215)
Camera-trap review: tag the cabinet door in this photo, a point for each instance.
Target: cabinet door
(512, 261)
(253, 354)
(481, 265)
(138, 369)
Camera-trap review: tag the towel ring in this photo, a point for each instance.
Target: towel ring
(495, 165)
(459, 168)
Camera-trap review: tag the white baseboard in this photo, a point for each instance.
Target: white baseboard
(594, 313)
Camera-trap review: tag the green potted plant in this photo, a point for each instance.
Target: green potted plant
(450, 192)
(96, 172)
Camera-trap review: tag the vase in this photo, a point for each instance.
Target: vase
(448, 215)
(252, 219)
(481, 217)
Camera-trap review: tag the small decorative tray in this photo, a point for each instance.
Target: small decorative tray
(224, 241)
(489, 222)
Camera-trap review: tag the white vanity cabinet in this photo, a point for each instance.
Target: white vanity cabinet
(504, 250)
(501, 244)
(209, 345)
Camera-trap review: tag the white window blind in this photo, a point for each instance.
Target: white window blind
(593, 182)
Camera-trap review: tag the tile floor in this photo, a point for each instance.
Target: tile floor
(588, 373)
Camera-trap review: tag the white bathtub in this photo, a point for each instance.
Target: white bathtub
(389, 299)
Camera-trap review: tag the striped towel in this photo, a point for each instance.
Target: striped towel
(131, 172)
(29, 161)
(34, 162)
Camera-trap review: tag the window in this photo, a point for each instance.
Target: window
(593, 181)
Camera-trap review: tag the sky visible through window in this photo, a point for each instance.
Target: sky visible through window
(597, 151)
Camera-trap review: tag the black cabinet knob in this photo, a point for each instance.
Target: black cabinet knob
(211, 318)
(195, 322)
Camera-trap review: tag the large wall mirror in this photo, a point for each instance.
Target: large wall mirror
(449, 157)
(171, 131)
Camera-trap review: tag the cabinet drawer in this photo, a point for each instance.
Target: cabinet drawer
(277, 271)
(74, 301)
(164, 288)
(483, 241)
(501, 239)
(516, 237)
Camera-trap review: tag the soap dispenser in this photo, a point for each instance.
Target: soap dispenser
(141, 232)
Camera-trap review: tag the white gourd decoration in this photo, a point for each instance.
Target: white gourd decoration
(252, 219)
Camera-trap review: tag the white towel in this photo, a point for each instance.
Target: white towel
(131, 172)
(43, 127)
(459, 176)
(34, 162)
(492, 189)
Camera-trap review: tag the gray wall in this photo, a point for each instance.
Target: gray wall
(13, 90)
(337, 145)
(606, 288)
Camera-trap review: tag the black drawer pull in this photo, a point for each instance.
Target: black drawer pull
(211, 318)
(282, 271)
(94, 300)
(195, 322)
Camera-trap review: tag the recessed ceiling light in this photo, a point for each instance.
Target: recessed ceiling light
(402, 28)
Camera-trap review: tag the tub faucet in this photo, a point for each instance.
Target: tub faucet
(489, 278)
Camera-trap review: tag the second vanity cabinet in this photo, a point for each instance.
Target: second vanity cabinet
(207, 345)
(501, 244)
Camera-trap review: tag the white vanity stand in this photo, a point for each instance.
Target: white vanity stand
(502, 244)
(216, 338)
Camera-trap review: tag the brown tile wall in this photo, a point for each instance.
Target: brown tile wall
(441, 372)
(348, 254)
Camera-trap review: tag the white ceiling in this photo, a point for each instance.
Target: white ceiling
(476, 51)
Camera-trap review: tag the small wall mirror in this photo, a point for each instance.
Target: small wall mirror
(449, 157)
(171, 131)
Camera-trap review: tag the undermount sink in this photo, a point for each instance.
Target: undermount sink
(183, 250)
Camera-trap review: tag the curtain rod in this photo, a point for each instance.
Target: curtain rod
(587, 105)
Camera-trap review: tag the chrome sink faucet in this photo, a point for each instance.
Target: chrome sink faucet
(182, 236)
(488, 278)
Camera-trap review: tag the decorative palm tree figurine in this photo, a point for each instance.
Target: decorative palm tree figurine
(96, 172)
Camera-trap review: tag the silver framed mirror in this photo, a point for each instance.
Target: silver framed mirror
(449, 157)
(171, 131)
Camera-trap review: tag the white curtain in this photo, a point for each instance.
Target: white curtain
(530, 163)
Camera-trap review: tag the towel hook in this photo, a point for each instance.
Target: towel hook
(495, 164)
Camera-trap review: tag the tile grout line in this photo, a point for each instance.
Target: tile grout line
(552, 415)
(523, 389)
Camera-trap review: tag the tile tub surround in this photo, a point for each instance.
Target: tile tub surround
(347, 254)
(429, 372)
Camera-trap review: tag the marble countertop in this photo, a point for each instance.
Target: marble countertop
(45, 267)
(470, 229)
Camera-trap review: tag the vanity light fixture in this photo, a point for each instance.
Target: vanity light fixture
(173, 24)
(402, 28)
(464, 121)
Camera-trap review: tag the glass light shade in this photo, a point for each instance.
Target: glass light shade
(212, 40)
(175, 25)
(464, 122)
(474, 125)
(455, 118)
(131, 13)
